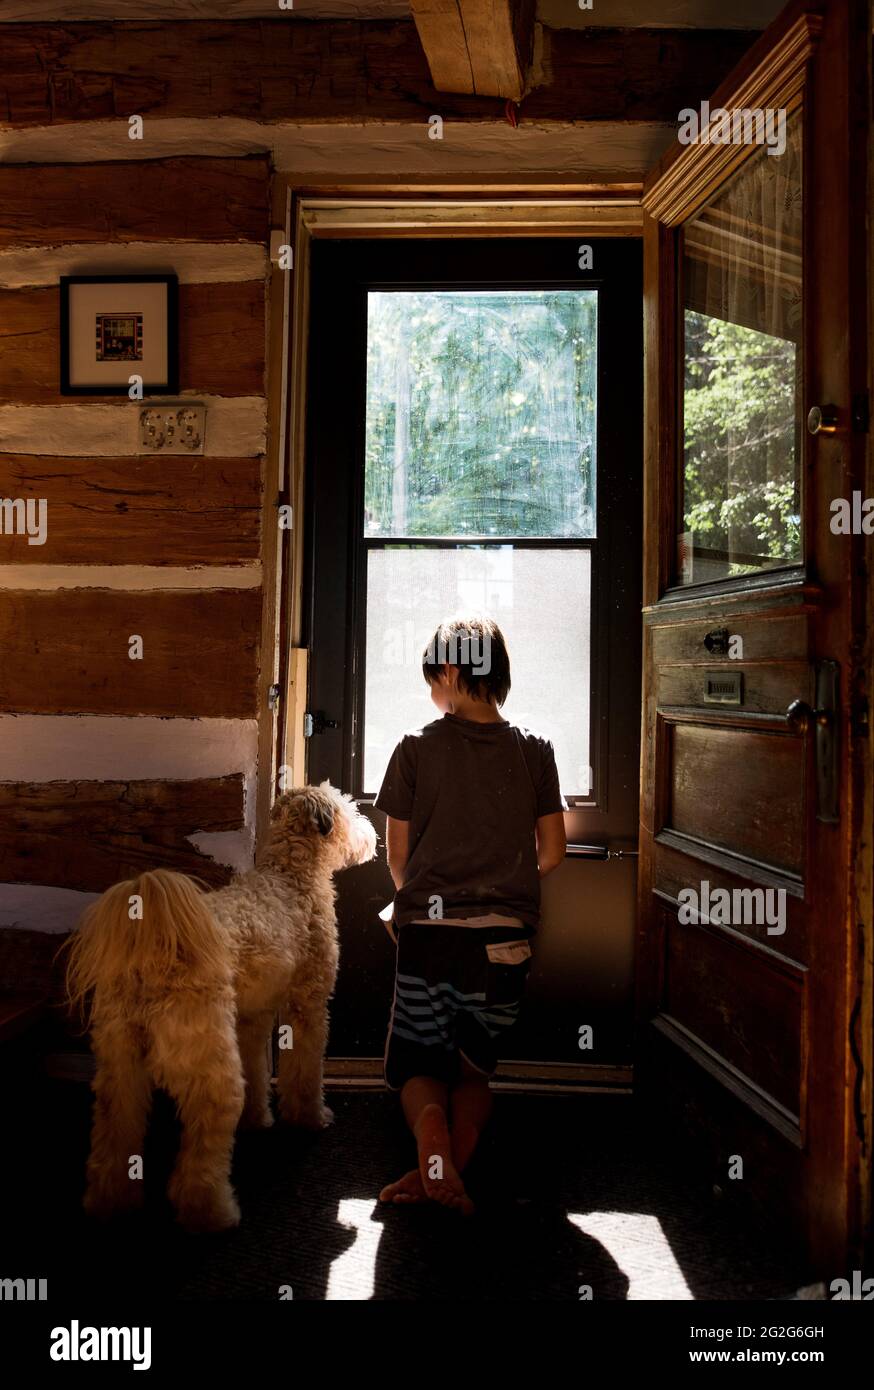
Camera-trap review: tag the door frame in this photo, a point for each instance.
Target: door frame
(591, 212)
(607, 211)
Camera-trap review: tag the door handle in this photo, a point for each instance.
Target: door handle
(599, 852)
(799, 716)
(823, 719)
(822, 419)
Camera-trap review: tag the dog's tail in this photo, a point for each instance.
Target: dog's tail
(142, 933)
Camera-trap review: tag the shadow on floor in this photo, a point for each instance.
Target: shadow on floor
(572, 1192)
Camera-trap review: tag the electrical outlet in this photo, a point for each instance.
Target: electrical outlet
(173, 429)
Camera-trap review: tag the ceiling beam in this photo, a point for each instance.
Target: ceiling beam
(35, 11)
(550, 154)
(477, 46)
(277, 73)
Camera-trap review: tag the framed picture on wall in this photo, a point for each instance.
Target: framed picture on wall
(114, 327)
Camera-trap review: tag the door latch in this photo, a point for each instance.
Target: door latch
(800, 717)
(314, 722)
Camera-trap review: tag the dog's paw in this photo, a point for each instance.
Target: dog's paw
(201, 1218)
(98, 1208)
(256, 1119)
(318, 1118)
(101, 1205)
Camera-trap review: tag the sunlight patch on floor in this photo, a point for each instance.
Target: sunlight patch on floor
(353, 1273)
(640, 1248)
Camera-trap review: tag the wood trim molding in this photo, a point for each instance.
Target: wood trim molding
(272, 550)
(367, 1074)
(352, 1072)
(659, 412)
(688, 174)
(697, 604)
(740, 1085)
(587, 215)
(293, 658)
(733, 863)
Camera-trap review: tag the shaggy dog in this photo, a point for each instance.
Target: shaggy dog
(185, 988)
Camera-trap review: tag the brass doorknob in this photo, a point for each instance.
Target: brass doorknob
(822, 419)
(799, 717)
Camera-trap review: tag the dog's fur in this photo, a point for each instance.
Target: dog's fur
(185, 999)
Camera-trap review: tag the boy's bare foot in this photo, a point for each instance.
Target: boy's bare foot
(434, 1143)
(407, 1189)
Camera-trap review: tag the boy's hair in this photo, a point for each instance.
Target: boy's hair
(477, 647)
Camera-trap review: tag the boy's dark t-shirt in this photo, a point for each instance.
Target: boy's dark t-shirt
(472, 794)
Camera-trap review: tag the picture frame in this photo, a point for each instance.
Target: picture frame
(116, 326)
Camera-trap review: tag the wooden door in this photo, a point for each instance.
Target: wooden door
(749, 964)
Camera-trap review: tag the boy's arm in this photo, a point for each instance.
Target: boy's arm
(551, 842)
(397, 845)
(396, 799)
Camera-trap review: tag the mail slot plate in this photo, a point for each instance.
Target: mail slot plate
(723, 688)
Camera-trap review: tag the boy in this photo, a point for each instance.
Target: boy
(474, 821)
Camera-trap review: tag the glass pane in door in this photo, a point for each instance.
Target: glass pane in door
(740, 503)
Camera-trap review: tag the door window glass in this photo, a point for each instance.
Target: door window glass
(740, 503)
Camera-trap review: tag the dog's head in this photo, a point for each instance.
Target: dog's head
(330, 819)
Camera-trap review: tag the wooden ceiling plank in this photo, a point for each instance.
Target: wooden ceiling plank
(499, 37)
(441, 31)
(477, 46)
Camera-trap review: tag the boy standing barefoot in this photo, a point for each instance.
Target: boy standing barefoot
(474, 821)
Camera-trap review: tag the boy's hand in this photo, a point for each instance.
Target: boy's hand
(387, 919)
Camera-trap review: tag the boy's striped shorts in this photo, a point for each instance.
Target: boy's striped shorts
(457, 993)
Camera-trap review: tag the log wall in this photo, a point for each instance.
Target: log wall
(108, 764)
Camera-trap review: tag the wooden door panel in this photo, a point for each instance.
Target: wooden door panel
(679, 863)
(741, 790)
(689, 1096)
(750, 1018)
(773, 638)
(770, 653)
(765, 689)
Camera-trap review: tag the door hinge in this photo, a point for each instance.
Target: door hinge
(273, 698)
(314, 722)
(860, 413)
